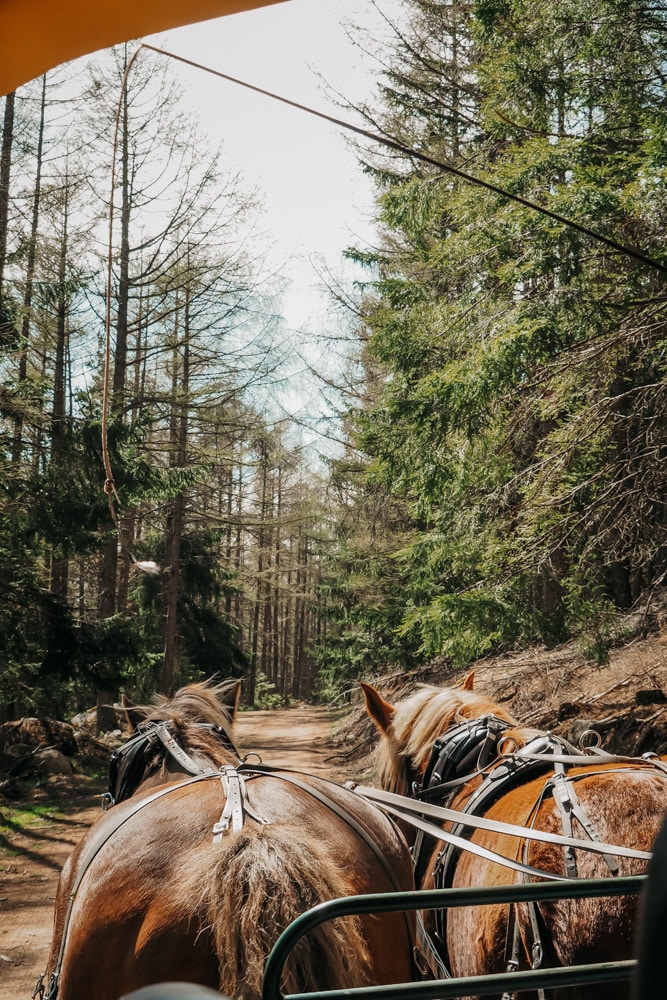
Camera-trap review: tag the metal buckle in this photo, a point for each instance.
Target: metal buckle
(39, 988)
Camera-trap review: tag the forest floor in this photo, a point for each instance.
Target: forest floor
(624, 700)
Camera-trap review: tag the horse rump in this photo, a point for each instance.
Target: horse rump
(262, 879)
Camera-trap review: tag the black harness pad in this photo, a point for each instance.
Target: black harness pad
(465, 749)
(128, 764)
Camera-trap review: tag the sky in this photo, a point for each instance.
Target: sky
(317, 200)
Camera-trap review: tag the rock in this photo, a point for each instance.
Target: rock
(39, 733)
(51, 761)
(87, 721)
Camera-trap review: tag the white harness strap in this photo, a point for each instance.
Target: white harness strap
(570, 807)
(236, 804)
(231, 819)
(427, 957)
(177, 752)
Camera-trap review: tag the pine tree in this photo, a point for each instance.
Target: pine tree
(523, 386)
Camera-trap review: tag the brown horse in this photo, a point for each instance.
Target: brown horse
(487, 764)
(202, 861)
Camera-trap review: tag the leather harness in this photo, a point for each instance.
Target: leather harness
(128, 765)
(465, 753)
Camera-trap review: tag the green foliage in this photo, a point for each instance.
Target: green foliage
(517, 408)
(53, 659)
(27, 819)
(361, 591)
(266, 696)
(464, 626)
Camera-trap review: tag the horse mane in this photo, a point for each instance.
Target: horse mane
(204, 702)
(417, 723)
(207, 703)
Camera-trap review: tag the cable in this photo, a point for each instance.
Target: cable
(401, 148)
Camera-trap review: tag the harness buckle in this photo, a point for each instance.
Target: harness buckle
(231, 819)
(150, 731)
(49, 992)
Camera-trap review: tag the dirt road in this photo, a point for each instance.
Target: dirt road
(30, 862)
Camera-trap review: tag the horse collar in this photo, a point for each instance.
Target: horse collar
(128, 764)
(462, 751)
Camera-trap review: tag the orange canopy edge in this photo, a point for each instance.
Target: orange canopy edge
(36, 35)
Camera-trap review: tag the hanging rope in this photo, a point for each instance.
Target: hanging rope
(147, 566)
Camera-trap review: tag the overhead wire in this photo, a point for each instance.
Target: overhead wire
(389, 143)
(401, 147)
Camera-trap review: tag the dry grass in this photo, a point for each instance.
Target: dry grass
(558, 689)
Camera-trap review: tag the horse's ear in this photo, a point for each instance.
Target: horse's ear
(469, 682)
(134, 715)
(235, 699)
(380, 711)
(228, 694)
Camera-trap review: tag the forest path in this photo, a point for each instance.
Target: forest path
(31, 858)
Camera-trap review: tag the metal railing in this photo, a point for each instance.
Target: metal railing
(436, 899)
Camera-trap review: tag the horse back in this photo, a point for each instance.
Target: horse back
(623, 805)
(149, 883)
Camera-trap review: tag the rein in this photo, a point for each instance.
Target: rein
(468, 753)
(410, 810)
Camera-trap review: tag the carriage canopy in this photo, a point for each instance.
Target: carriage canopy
(36, 35)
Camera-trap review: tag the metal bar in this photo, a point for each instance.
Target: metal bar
(432, 899)
(465, 986)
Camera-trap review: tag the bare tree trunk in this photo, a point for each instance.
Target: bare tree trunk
(259, 590)
(5, 172)
(172, 568)
(60, 566)
(306, 630)
(267, 604)
(81, 594)
(17, 443)
(176, 518)
(229, 535)
(127, 528)
(285, 675)
(106, 715)
(275, 627)
(297, 634)
(238, 552)
(108, 570)
(120, 349)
